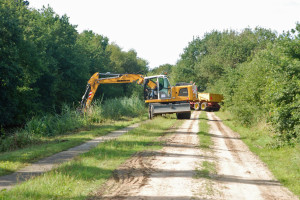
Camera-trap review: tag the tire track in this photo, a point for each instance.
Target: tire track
(242, 174)
(164, 174)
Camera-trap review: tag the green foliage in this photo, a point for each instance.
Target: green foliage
(45, 63)
(268, 89)
(256, 71)
(208, 59)
(162, 69)
(11, 54)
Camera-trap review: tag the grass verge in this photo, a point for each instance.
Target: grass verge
(206, 169)
(283, 162)
(204, 136)
(14, 160)
(78, 178)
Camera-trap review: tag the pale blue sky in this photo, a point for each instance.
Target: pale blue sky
(159, 30)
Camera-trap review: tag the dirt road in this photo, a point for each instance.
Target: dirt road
(241, 174)
(171, 173)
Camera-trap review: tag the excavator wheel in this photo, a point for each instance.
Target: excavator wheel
(185, 115)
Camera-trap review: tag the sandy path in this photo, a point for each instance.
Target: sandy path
(46, 164)
(241, 174)
(171, 173)
(175, 167)
(165, 174)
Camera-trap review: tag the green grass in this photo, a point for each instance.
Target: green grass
(284, 162)
(204, 136)
(14, 160)
(206, 169)
(78, 178)
(117, 108)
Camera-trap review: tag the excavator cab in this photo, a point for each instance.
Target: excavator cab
(157, 87)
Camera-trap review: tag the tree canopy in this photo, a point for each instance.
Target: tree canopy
(45, 62)
(257, 71)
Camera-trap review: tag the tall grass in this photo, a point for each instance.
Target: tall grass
(83, 175)
(70, 119)
(117, 108)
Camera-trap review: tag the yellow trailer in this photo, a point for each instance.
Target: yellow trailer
(210, 97)
(207, 102)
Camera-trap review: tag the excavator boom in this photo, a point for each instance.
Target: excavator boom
(106, 78)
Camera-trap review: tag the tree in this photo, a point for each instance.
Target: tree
(12, 56)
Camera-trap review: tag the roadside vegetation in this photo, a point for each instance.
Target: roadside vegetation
(284, 162)
(257, 71)
(50, 134)
(204, 135)
(78, 178)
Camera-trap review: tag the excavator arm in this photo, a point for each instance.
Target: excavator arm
(107, 78)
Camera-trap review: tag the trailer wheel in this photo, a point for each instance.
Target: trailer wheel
(185, 115)
(204, 106)
(197, 106)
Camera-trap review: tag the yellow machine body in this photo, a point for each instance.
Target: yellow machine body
(210, 97)
(162, 97)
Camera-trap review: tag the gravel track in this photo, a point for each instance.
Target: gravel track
(241, 174)
(171, 173)
(164, 174)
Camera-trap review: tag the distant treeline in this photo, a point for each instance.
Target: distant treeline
(45, 62)
(257, 71)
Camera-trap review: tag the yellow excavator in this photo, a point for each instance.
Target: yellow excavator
(158, 93)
